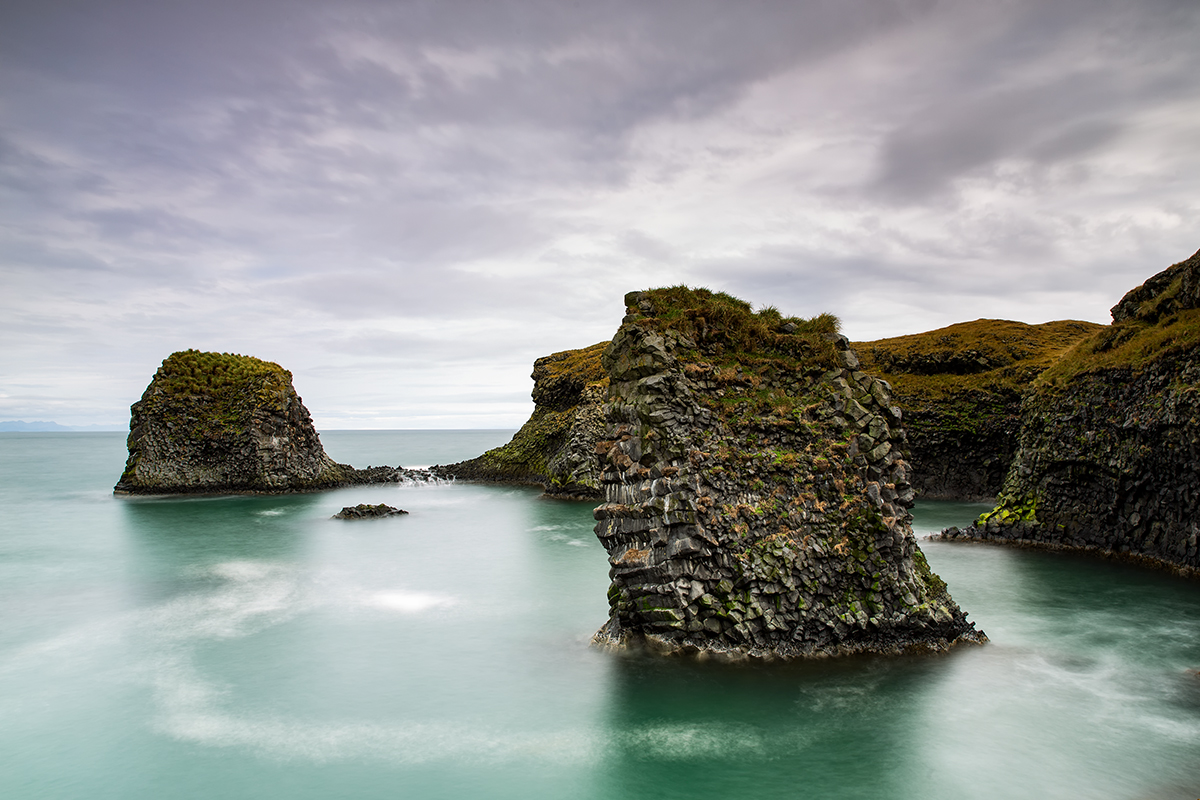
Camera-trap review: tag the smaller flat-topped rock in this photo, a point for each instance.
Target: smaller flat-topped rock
(367, 511)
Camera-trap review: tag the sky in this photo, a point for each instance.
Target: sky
(406, 203)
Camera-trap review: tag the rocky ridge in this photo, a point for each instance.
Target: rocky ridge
(961, 388)
(554, 448)
(1110, 438)
(756, 495)
(220, 422)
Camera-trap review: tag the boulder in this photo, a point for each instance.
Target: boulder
(365, 511)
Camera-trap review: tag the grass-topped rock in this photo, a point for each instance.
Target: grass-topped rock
(961, 388)
(756, 495)
(1110, 436)
(554, 449)
(219, 422)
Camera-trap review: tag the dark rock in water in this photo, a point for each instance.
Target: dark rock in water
(365, 511)
(961, 388)
(218, 422)
(554, 449)
(756, 496)
(1110, 438)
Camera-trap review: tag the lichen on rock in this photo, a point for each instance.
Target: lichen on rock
(1110, 437)
(554, 448)
(220, 422)
(756, 495)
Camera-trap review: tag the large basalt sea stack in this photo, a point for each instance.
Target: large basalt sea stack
(218, 422)
(757, 500)
(555, 448)
(960, 388)
(1110, 437)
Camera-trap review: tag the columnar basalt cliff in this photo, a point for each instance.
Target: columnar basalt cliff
(1110, 437)
(756, 499)
(960, 388)
(554, 449)
(219, 422)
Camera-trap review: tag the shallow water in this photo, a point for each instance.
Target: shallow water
(251, 646)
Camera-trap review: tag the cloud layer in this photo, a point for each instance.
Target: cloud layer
(406, 203)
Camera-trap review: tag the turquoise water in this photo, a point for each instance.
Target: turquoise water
(252, 647)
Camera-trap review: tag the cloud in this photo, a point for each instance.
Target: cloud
(377, 192)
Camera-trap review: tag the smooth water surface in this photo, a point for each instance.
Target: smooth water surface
(245, 647)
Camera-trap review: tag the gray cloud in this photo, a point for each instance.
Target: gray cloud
(407, 202)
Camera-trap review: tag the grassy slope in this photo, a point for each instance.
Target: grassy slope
(987, 356)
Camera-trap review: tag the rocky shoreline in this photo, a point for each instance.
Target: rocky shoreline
(1110, 438)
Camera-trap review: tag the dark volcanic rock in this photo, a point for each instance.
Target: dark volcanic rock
(218, 422)
(365, 511)
(554, 449)
(756, 497)
(1110, 438)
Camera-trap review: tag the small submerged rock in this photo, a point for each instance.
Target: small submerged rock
(366, 511)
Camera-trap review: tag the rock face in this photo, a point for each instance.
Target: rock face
(960, 388)
(555, 447)
(1110, 437)
(756, 497)
(218, 422)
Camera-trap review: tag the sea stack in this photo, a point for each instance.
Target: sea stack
(219, 422)
(1110, 437)
(756, 492)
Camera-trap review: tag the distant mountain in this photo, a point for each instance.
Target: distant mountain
(40, 426)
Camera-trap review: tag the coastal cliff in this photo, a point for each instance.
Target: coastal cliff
(554, 448)
(961, 388)
(756, 497)
(219, 422)
(1110, 437)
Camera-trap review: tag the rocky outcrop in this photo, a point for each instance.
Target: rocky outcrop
(368, 511)
(1110, 437)
(756, 497)
(554, 449)
(219, 422)
(961, 388)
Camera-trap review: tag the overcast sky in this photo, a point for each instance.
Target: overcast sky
(406, 203)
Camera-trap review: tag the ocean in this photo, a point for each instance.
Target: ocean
(250, 647)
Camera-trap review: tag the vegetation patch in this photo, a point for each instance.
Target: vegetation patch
(202, 395)
(1132, 344)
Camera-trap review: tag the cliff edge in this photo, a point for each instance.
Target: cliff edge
(756, 497)
(219, 422)
(1110, 437)
(554, 448)
(961, 388)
